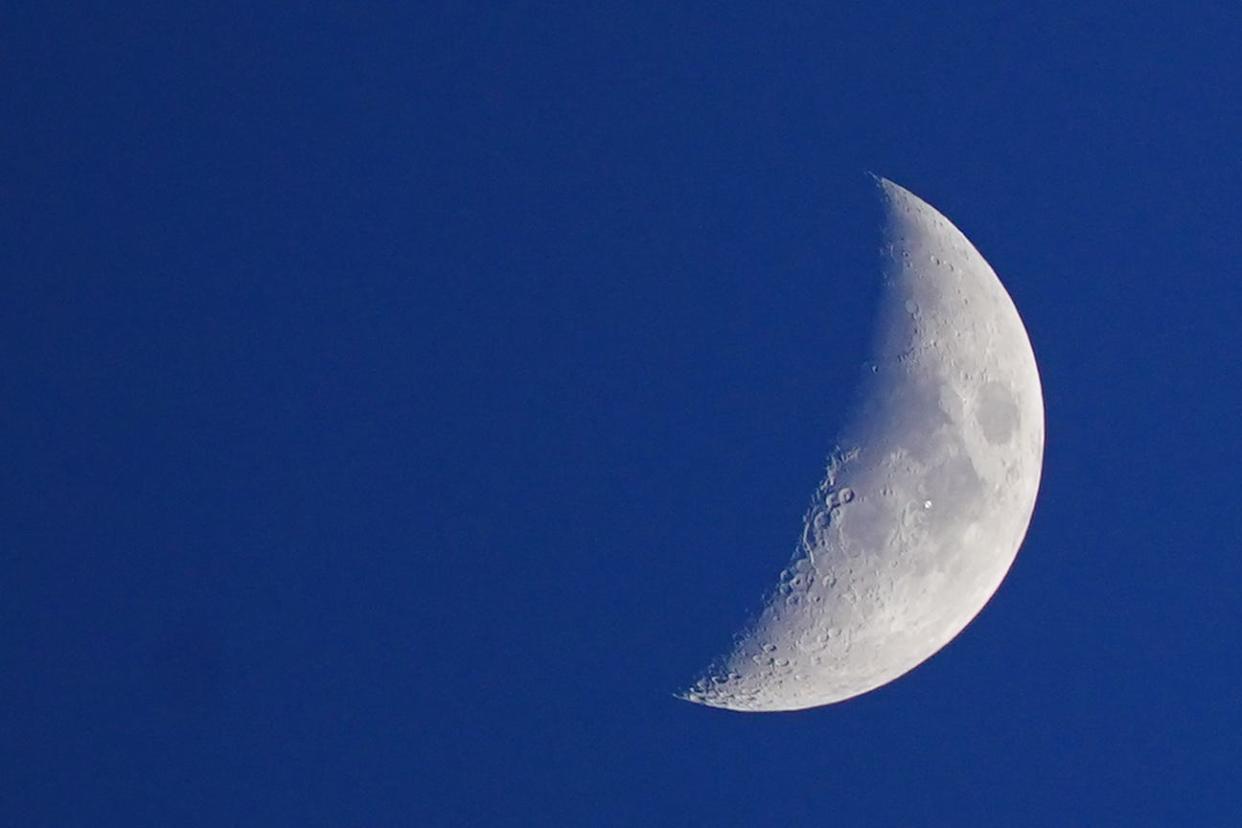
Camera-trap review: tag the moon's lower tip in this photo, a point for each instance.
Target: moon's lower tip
(741, 704)
(746, 707)
(694, 697)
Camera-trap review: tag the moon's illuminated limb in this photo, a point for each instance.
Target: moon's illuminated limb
(927, 496)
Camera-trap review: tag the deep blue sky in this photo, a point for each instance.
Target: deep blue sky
(401, 401)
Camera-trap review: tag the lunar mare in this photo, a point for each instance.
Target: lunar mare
(927, 495)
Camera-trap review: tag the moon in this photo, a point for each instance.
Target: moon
(928, 491)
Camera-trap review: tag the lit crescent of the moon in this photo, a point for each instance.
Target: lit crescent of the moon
(927, 495)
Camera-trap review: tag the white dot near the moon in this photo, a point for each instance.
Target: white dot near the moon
(951, 415)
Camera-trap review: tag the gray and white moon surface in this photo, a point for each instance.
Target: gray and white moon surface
(928, 492)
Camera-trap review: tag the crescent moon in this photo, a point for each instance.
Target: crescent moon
(927, 495)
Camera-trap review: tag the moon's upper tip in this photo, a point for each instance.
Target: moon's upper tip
(892, 191)
(879, 180)
(890, 188)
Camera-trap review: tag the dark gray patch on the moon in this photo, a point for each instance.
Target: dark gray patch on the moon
(954, 487)
(996, 413)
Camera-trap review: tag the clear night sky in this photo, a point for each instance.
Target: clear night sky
(401, 401)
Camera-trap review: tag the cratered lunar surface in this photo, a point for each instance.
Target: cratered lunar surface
(928, 491)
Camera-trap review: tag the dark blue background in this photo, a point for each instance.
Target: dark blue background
(401, 401)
